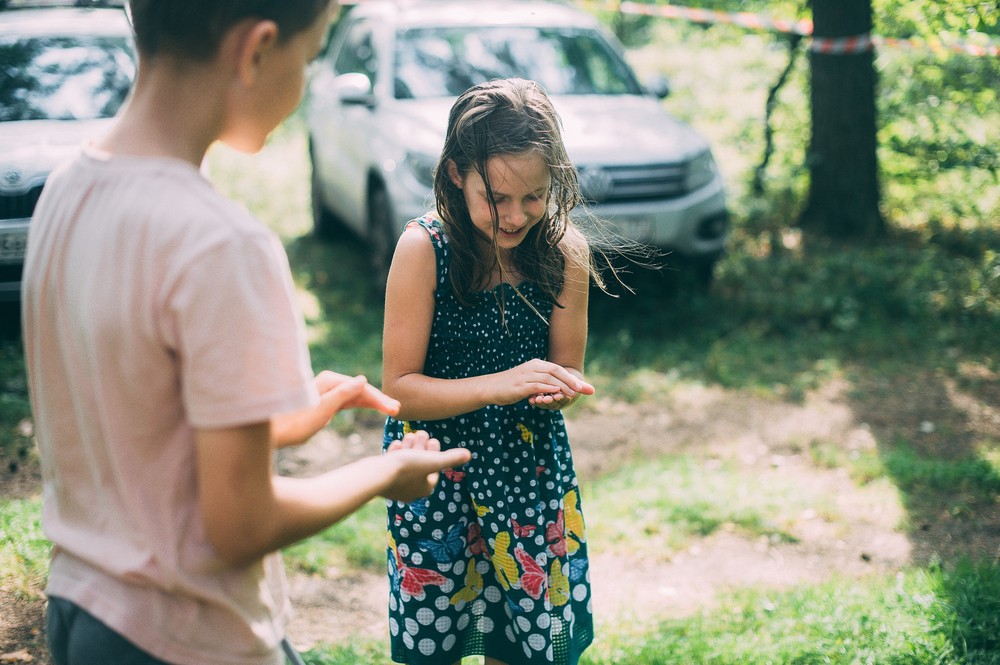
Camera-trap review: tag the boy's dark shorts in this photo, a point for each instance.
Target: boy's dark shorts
(75, 637)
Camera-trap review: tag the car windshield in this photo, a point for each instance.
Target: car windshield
(64, 77)
(445, 62)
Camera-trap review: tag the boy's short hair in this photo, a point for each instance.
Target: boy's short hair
(194, 28)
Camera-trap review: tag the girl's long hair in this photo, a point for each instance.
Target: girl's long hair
(505, 117)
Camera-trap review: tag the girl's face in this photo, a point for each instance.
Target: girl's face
(520, 185)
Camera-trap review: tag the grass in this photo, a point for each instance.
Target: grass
(672, 501)
(917, 616)
(356, 542)
(24, 549)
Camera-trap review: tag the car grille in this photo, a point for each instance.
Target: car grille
(19, 206)
(611, 184)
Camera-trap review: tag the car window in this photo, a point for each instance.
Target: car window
(357, 55)
(64, 77)
(444, 62)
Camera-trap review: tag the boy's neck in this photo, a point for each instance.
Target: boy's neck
(173, 112)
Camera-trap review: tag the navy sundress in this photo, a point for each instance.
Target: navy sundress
(494, 562)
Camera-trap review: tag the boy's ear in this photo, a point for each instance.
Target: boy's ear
(453, 174)
(257, 41)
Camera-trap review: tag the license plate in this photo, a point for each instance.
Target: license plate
(13, 243)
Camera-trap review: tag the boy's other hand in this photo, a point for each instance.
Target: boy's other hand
(419, 461)
(336, 393)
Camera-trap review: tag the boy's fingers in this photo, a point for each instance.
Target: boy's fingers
(368, 396)
(454, 457)
(344, 392)
(328, 380)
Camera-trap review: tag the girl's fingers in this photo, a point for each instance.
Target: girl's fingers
(420, 440)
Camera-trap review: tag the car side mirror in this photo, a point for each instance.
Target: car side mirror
(354, 88)
(658, 86)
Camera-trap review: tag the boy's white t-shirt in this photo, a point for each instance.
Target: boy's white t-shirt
(153, 306)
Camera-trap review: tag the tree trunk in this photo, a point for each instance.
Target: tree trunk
(844, 188)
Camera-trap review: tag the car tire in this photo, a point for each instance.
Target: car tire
(326, 226)
(381, 239)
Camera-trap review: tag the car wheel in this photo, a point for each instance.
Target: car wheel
(325, 225)
(381, 239)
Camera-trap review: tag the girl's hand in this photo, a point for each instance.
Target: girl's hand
(419, 461)
(551, 401)
(536, 378)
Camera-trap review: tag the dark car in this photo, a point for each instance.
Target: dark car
(64, 72)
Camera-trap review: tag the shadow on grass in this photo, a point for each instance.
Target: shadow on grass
(939, 442)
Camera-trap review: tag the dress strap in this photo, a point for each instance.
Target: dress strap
(435, 230)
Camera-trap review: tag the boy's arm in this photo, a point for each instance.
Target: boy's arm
(248, 511)
(409, 312)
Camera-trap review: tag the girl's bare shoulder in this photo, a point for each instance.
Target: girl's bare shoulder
(414, 257)
(575, 248)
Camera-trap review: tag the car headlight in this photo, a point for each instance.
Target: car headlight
(699, 171)
(422, 167)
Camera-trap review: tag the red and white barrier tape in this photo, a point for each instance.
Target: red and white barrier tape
(804, 27)
(742, 19)
(841, 45)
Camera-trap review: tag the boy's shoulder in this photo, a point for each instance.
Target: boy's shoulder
(163, 205)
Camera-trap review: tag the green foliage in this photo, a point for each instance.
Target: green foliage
(929, 18)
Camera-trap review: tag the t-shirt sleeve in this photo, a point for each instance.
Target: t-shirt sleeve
(240, 335)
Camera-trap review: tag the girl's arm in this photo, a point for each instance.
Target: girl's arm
(409, 312)
(568, 325)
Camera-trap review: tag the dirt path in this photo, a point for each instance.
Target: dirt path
(768, 436)
(763, 434)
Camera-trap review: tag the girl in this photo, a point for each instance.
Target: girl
(485, 330)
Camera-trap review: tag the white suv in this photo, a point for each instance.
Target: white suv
(65, 73)
(378, 101)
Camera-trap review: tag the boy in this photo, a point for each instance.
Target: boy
(166, 360)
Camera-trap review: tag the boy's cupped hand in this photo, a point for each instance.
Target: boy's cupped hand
(419, 461)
